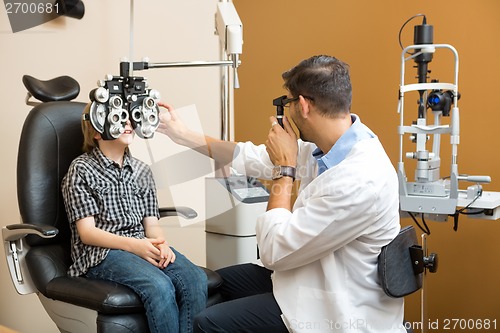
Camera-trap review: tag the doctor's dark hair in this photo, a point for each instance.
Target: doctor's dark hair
(325, 81)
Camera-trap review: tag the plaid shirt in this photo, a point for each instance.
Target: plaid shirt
(117, 198)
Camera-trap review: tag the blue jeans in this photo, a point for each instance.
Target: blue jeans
(172, 296)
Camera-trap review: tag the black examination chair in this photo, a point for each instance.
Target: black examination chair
(38, 249)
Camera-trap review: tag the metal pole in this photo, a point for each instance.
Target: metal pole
(191, 64)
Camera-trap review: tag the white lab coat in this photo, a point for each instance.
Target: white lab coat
(324, 253)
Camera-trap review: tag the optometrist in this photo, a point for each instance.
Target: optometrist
(319, 257)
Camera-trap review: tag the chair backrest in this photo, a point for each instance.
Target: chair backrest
(397, 270)
(50, 139)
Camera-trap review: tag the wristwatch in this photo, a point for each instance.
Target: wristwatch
(283, 171)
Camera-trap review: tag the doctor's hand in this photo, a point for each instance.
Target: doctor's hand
(170, 123)
(281, 144)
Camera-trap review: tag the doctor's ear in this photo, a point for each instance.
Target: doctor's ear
(304, 106)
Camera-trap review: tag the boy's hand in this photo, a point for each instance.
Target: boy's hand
(148, 249)
(167, 256)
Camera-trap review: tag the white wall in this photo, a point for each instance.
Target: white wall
(88, 49)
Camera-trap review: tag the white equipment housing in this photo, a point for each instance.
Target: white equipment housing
(233, 205)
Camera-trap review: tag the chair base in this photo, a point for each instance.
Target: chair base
(64, 316)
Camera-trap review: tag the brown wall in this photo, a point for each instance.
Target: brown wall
(278, 34)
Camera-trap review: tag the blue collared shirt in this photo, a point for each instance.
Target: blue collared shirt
(357, 132)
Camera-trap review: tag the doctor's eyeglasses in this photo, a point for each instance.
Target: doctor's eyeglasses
(285, 102)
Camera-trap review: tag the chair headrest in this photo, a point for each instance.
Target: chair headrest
(61, 88)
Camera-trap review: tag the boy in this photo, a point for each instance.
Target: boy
(110, 199)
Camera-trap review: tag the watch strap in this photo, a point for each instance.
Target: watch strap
(285, 171)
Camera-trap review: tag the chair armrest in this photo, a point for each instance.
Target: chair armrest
(184, 212)
(14, 232)
(16, 248)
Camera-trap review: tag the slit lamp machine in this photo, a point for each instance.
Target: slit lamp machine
(430, 195)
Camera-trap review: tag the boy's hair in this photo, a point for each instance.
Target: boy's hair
(89, 133)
